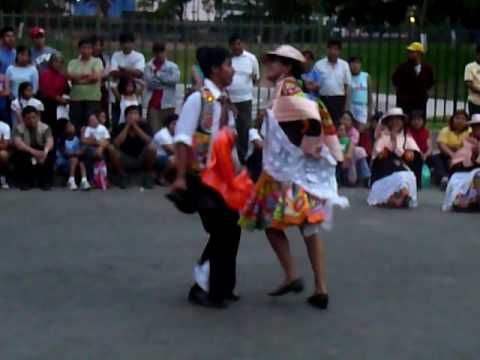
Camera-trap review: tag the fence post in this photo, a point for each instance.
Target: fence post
(456, 80)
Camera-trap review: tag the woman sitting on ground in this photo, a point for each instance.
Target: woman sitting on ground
(463, 191)
(394, 156)
(449, 141)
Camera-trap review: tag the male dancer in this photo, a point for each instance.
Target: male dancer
(204, 113)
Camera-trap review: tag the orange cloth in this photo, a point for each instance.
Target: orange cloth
(220, 175)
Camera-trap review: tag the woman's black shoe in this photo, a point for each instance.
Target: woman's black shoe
(319, 301)
(296, 286)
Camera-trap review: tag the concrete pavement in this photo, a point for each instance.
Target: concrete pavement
(105, 276)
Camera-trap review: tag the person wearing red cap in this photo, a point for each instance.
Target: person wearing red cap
(39, 52)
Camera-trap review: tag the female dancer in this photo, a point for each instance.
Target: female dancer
(298, 185)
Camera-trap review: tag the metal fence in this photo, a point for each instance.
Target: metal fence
(448, 50)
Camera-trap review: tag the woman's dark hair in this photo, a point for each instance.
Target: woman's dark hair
(211, 57)
(297, 67)
(5, 30)
(199, 52)
(28, 110)
(85, 41)
(334, 42)
(170, 119)
(355, 59)
(126, 37)
(416, 114)
(22, 87)
(158, 47)
(132, 108)
(233, 38)
(349, 113)
(123, 83)
(21, 49)
(455, 114)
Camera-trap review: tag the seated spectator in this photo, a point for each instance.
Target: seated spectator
(72, 154)
(127, 90)
(367, 135)
(395, 153)
(463, 191)
(5, 152)
(420, 133)
(22, 71)
(25, 98)
(354, 165)
(96, 139)
(4, 97)
(163, 141)
(133, 140)
(33, 159)
(449, 141)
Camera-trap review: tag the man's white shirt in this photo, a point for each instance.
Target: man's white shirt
(247, 69)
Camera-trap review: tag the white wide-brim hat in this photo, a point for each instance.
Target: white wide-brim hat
(393, 112)
(289, 52)
(475, 120)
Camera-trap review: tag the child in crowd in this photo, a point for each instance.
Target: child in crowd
(163, 141)
(355, 164)
(127, 88)
(96, 140)
(463, 191)
(25, 98)
(421, 135)
(395, 154)
(5, 147)
(71, 158)
(367, 135)
(255, 147)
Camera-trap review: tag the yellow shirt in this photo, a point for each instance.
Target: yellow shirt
(472, 73)
(453, 140)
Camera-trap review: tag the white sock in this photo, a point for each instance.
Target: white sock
(71, 178)
(84, 179)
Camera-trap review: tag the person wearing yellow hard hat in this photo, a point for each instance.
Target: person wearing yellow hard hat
(413, 80)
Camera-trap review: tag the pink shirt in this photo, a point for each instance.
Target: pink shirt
(465, 153)
(402, 144)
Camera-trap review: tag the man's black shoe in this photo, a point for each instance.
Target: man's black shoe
(199, 297)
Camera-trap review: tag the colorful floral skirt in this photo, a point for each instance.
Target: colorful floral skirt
(280, 205)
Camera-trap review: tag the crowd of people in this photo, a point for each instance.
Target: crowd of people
(100, 114)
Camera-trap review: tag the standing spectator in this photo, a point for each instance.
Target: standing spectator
(127, 89)
(311, 78)
(161, 76)
(361, 103)
(449, 141)
(85, 73)
(40, 53)
(125, 63)
(472, 80)
(198, 78)
(335, 80)
(98, 52)
(247, 74)
(133, 139)
(5, 142)
(413, 79)
(53, 87)
(22, 71)
(34, 157)
(25, 98)
(7, 58)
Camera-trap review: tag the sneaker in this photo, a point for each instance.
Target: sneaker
(71, 184)
(85, 185)
(3, 183)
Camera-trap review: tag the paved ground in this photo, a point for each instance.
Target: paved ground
(104, 276)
